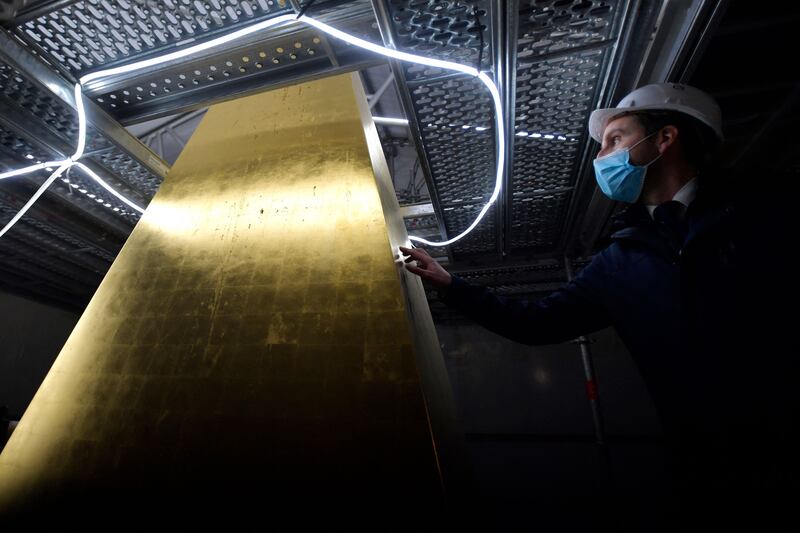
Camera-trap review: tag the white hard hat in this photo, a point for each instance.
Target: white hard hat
(661, 97)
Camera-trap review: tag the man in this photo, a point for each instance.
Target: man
(666, 282)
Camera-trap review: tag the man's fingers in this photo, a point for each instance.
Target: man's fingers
(406, 251)
(416, 253)
(416, 270)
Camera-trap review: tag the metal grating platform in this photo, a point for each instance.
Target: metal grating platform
(444, 30)
(71, 38)
(554, 53)
(449, 113)
(72, 234)
(562, 50)
(552, 60)
(37, 126)
(90, 35)
(94, 34)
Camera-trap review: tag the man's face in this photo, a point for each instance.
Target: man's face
(624, 132)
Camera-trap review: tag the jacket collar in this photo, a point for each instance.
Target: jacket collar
(712, 205)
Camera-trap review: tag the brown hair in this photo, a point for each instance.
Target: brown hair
(698, 140)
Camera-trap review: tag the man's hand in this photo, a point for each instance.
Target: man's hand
(427, 268)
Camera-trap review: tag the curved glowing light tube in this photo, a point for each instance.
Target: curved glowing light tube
(107, 187)
(361, 43)
(81, 124)
(60, 170)
(498, 109)
(32, 168)
(63, 165)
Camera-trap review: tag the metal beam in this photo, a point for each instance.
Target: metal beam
(417, 210)
(701, 30)
(73, 228)
(373, 98)
(588, 209)
(37, 71)
(352, 61)
(29, 127)
(506, 23)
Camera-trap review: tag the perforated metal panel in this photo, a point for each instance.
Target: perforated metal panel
(36, 252)
(482, 238)
(137, 178)
(219, 69)
(561, 50)
(449, 113)
(441, 29)
(537, 221)
(219, 74)
(17, 88)
(72, 242)
(549, 26)
(18, 92)
(71, 235)
(560, 55)
(16, 149)
(68, 281)
(448, 108)
(87, 196)
(89, 34)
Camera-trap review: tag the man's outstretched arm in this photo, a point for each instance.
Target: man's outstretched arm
(565, 314)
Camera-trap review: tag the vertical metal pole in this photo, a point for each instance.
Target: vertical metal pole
(507, 16)
(588, 371)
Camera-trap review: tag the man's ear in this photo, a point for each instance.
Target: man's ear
(666, 137)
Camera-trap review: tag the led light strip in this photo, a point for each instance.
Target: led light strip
(60, 170)
(174, 56)
(107, 187)
(32, 168)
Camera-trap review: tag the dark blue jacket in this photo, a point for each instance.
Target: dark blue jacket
(675, 309)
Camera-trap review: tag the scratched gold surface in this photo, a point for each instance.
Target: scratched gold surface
(250, 336)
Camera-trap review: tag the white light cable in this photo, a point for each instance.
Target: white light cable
(78, 152)
(63, 165)
(498, 108)
(56, 173)
(32, 168)
(402, 56)
(188, 51)
(81, 124)
(107, 187)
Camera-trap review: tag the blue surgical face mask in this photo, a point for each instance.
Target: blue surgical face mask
(618, 178)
